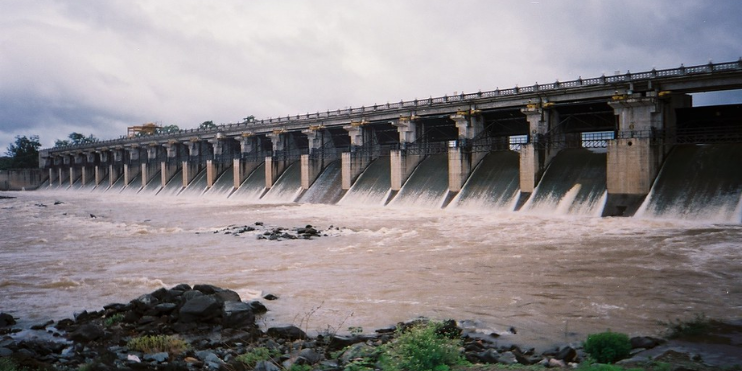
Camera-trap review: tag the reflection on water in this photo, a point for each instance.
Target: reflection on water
(538, 274)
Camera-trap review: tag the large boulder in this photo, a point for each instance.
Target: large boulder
(287, 332)
(200, 309)
(85, 333)
(6, 320)
(236, 314)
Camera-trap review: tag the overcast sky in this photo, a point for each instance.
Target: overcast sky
(98, 66)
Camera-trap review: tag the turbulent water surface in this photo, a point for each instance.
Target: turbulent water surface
(552, 278)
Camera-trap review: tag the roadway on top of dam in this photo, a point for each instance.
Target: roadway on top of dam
(681, 80)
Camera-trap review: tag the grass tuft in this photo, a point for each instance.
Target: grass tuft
(158, 343)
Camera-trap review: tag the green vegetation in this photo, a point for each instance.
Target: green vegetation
(608, 347)
(422, 348)
(698, 325)
(296, 367)
(157, 343)
(114, 319)
(23, 153)
(75, 139)
(6, 364)
(255, 355)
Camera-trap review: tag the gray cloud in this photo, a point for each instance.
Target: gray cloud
(100, 66)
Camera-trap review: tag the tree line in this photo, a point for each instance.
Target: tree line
(24, 151)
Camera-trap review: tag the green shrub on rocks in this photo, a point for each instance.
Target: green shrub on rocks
(6, 364)
(157, 344)
(608, 347)
(255, 355)
(422, 348)
(114, 319)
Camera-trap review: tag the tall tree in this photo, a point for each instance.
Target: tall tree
(24, 152)
(207, 125)
(75, 138)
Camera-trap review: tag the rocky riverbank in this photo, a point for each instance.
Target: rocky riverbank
(207, 327)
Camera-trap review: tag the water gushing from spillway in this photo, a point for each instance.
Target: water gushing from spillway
(427, 186)
(698, 182)
(223, 186)
(574, 184)
(493, 185)
(252, 187)
(287, 187)
(327, 189)
(173, 186)
(197, 186)
(372, 186)
(154, 185)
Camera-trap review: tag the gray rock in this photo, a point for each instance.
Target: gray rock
(287, 332)
(87, 332)
(310, 356)
(165, 307)
(488, 356)
(645, 342)
(266, 366)
(567, 354)
(156, 357)
(200, 308)
(145, 302)
(236, 314)
(5, 352)
(213, 361)
(257, 307)
(507, 358)
(359, 350)
(227, 296)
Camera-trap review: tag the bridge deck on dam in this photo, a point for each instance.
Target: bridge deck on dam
(607, 146)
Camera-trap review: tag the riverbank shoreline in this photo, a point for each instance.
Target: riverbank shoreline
(218, 327)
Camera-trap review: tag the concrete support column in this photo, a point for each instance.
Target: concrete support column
(275, 166)
(402, 163)
(249, 149)
(170, 165)
(53, 174)
(534, 155)
(150, 166)
(115, 169)
(461, 160)
(192, 166)
(64, 176)
(74, 174)
(635, 156)
(100, 173)
(354, 162)
(313, 163)
(88, 168)
(132, 167)
(215, 166)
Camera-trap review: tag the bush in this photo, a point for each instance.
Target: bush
(255, 355)
(421, 348)
(158, 343)
(114, 319)
(6, 364)
(608, 347)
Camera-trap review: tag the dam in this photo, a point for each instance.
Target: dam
(625, 145)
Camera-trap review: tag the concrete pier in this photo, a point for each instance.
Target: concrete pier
(132, 168)
(402, 162)
(461, 159)
(358, 158)
(635, 157)
(171, 164)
